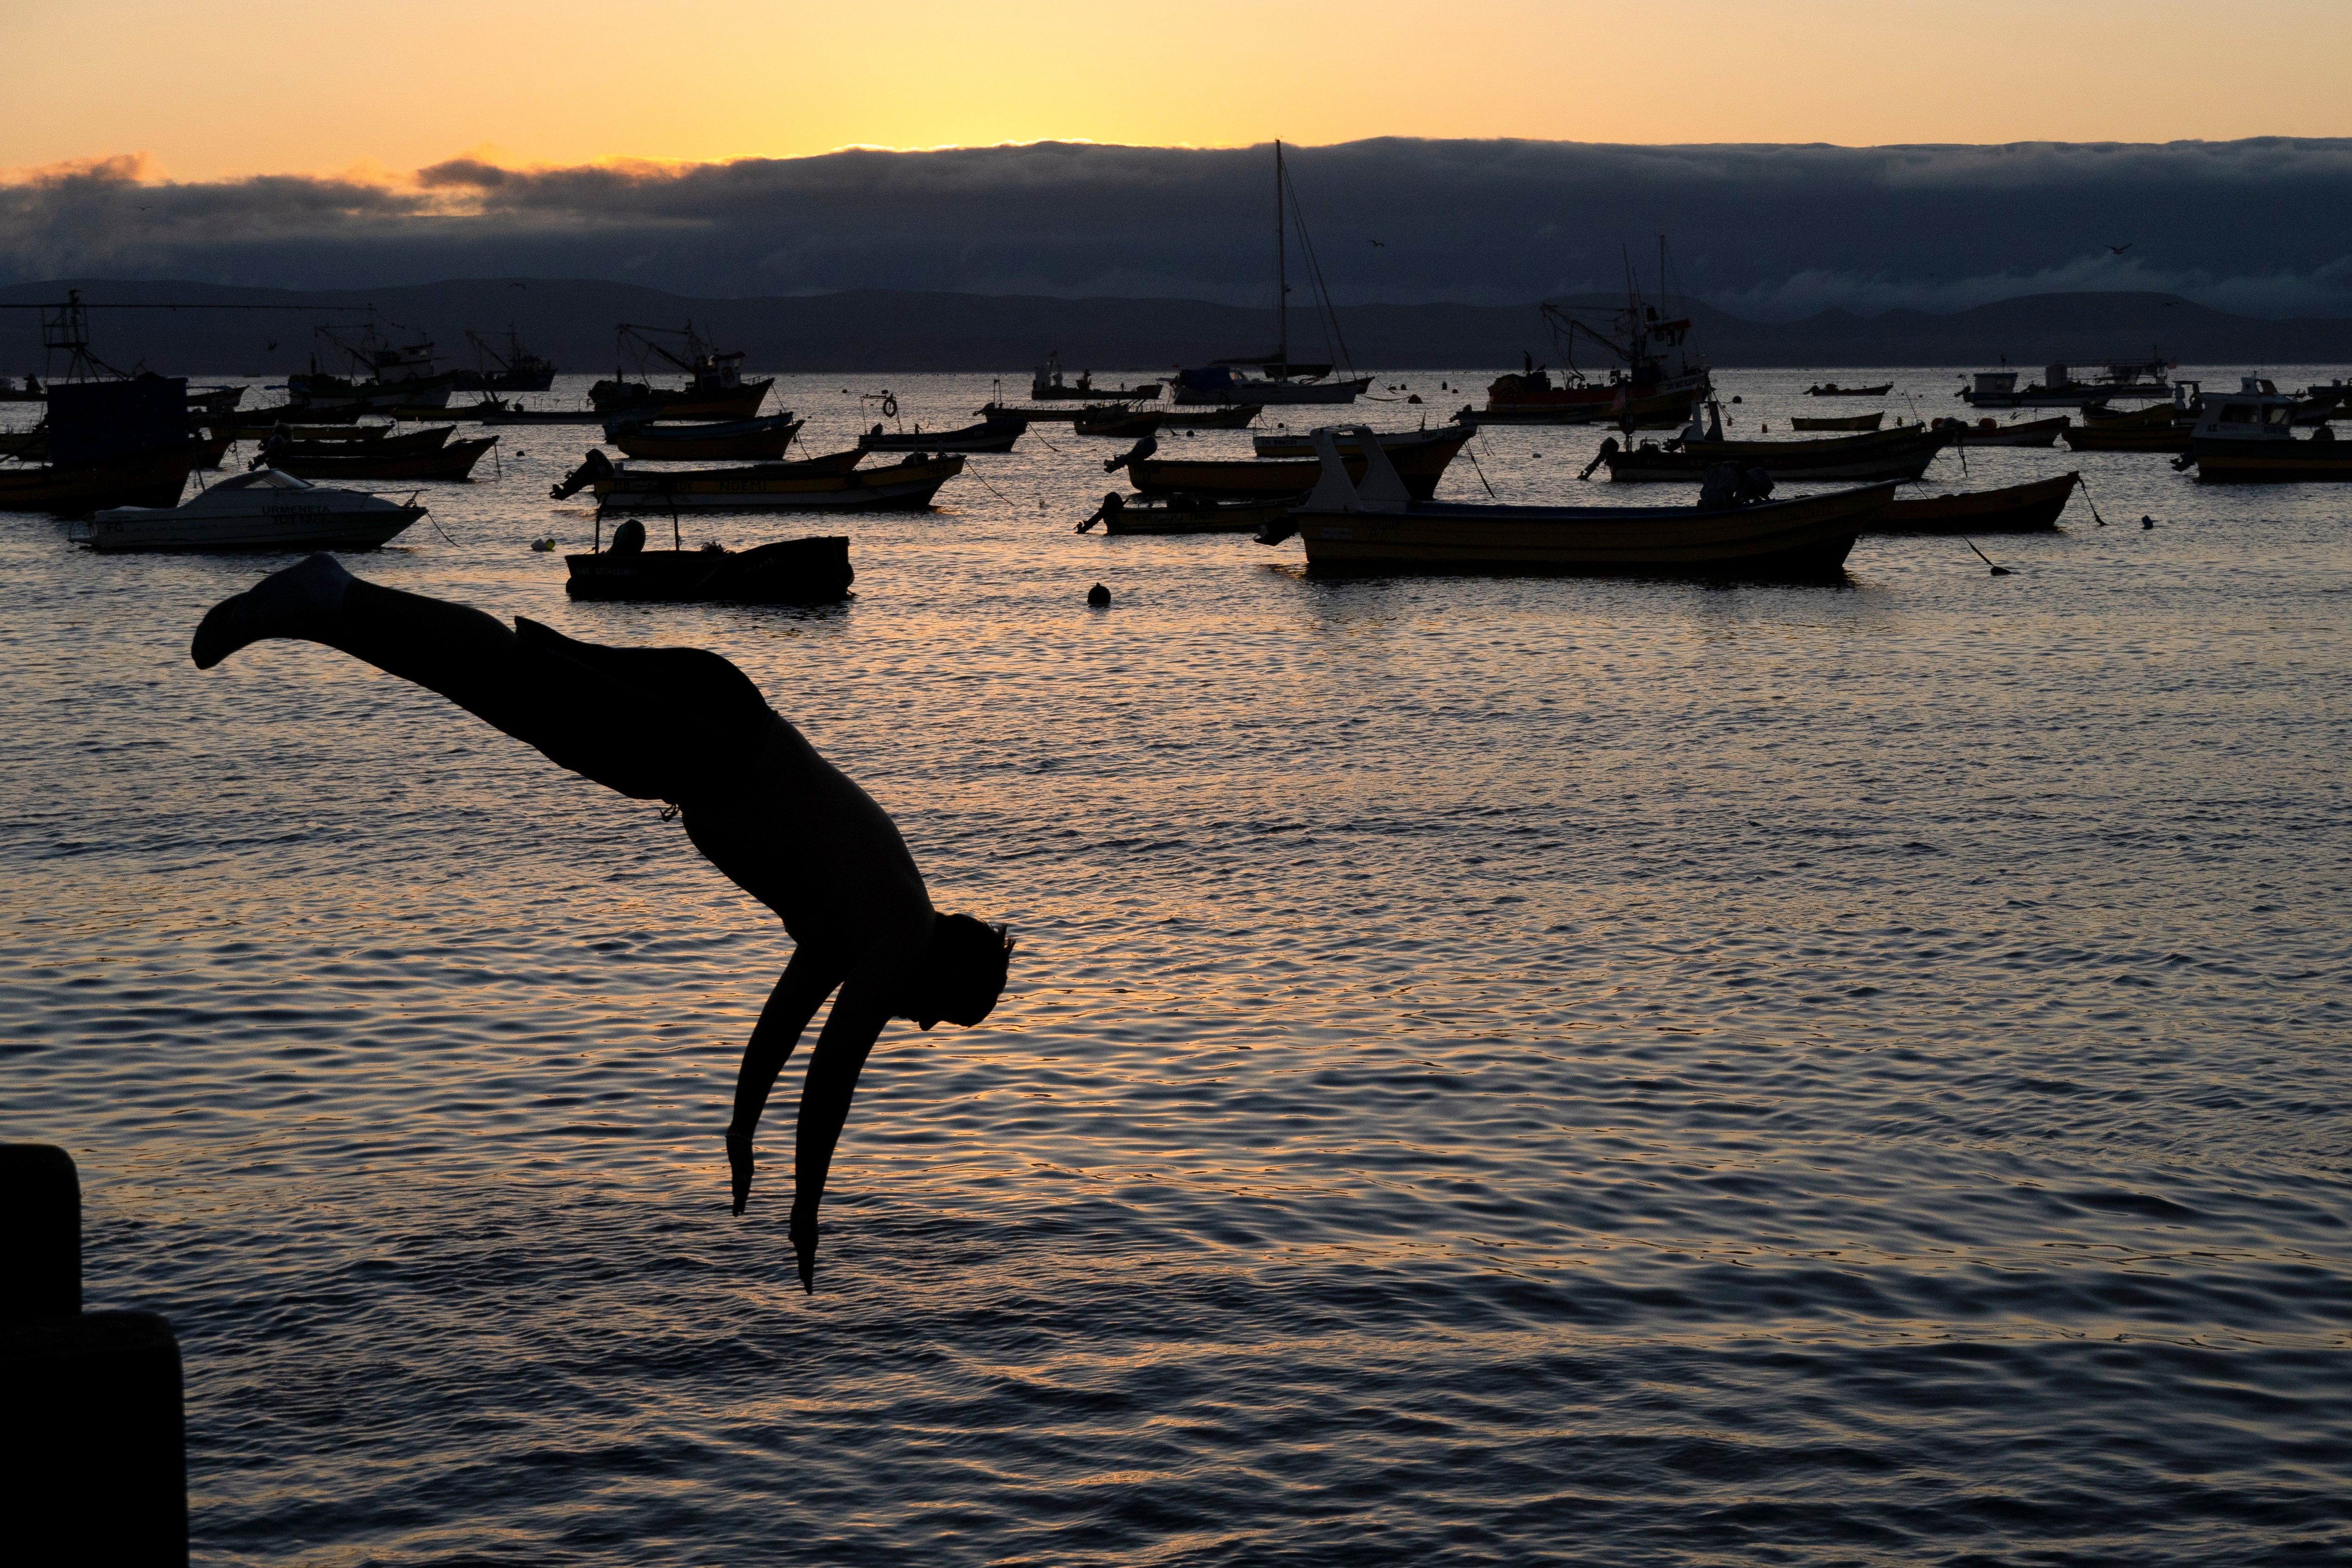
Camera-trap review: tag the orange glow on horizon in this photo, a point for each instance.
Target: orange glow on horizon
(231, 90)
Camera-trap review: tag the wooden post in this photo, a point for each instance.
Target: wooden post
(93, 1464)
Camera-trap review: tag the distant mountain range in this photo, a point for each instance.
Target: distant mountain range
(875, 331)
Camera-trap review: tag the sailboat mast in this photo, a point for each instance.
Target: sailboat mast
(1281, 271)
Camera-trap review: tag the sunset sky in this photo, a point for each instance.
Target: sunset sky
(260, 87)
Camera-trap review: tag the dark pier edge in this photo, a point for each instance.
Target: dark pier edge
(93, 1468)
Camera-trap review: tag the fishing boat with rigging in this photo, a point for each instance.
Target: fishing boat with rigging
(1359, 520)
(1280, 379)
(391, 374)
(519, 370)
(714, 387)
(1653, 378)
(1047, 386)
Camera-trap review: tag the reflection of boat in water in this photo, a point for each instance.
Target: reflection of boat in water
(1421, 464)
(1047, 386)
(1990, 432)
(2013, 509)
(714, 387)
(1832, 389)
(1187, 514)
(1280, 379)
(2248, 436)
(263, 510)
(763, 438)
(1372, 523)
(787, 572)
(831, 481)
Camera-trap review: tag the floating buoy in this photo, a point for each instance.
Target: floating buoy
(1099, 595)
(1734, 398)
(543, 544)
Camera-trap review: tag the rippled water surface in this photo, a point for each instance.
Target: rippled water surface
(1498, 1070)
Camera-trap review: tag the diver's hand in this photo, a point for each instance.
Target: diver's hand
(738, 1165)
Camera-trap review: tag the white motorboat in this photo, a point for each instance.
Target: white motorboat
(266, 510)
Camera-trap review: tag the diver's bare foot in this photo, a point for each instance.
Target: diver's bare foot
(277, 605)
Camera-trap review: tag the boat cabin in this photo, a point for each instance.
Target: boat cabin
(2257, 411)
(1996, 383)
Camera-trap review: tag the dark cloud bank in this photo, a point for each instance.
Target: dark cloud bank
(2256, 228)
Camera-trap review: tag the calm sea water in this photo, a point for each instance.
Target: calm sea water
(1499, 1070)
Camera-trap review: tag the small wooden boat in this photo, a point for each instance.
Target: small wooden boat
(214, 399)
(31, 446)
(1047, 386)
(2155, 416)
(995, 413)
(757, 439)
(154, 477)
(1839, 422)
(1302, 444)
(1832, 389)
(1861, 459)
(1123, 425)
(1374, 524)
(788, 572)
(1421, 466)
(263, 510)
(1237, 417)
(990, 435)
(454, 461)
(769, 487)
(251, 424)
(2018, 433)
(384, 444)
(1187, 514)
(2014, 509)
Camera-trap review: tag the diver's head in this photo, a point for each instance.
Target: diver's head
(964, 971)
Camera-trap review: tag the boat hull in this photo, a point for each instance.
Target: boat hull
(2272, 462)
(789, 572)
(143, 479)
(1867, 460)
(732, 403)
(1124, 426)
(1881, 390)
(1808, 538)
(1270, 393)
(2013, 509)
(453, 461)
(2026, 433)
(291, 527)
(1419, 466)
(1239, 417)
(900, 486)
(760, 440)
(1182, 515)
(996, 435)
(1839, 422)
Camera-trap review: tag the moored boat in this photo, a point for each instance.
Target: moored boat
(112, 443)
(1832, 389)
(1301, 444)
(714, 387)
(786, 572)
(1239, 416)
(997, 413)
(760, 487)
(989, 435)
(756, 439)
(1902, 454)
(454, 460)
(405, 444)
(152, 478)
(1990, 432)
(1047, 386)
(1187, 514)
(2248, 437)
(1839, 422)
(2013, 509)
(1374, 523)
(1420, 467)
(2058, 389)
(267, 510)
(1123, 424)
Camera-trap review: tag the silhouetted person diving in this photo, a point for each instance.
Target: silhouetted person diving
(685, 726)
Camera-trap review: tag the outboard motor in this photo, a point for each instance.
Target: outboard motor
(1755, 486)
(1134, 454)
(1719, 490)
(597, 467)
(629, 538)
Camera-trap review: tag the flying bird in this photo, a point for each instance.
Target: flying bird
(2119, 249)
(1382, 244)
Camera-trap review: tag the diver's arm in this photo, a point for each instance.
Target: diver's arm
(790, 1005)
(850, 1030)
